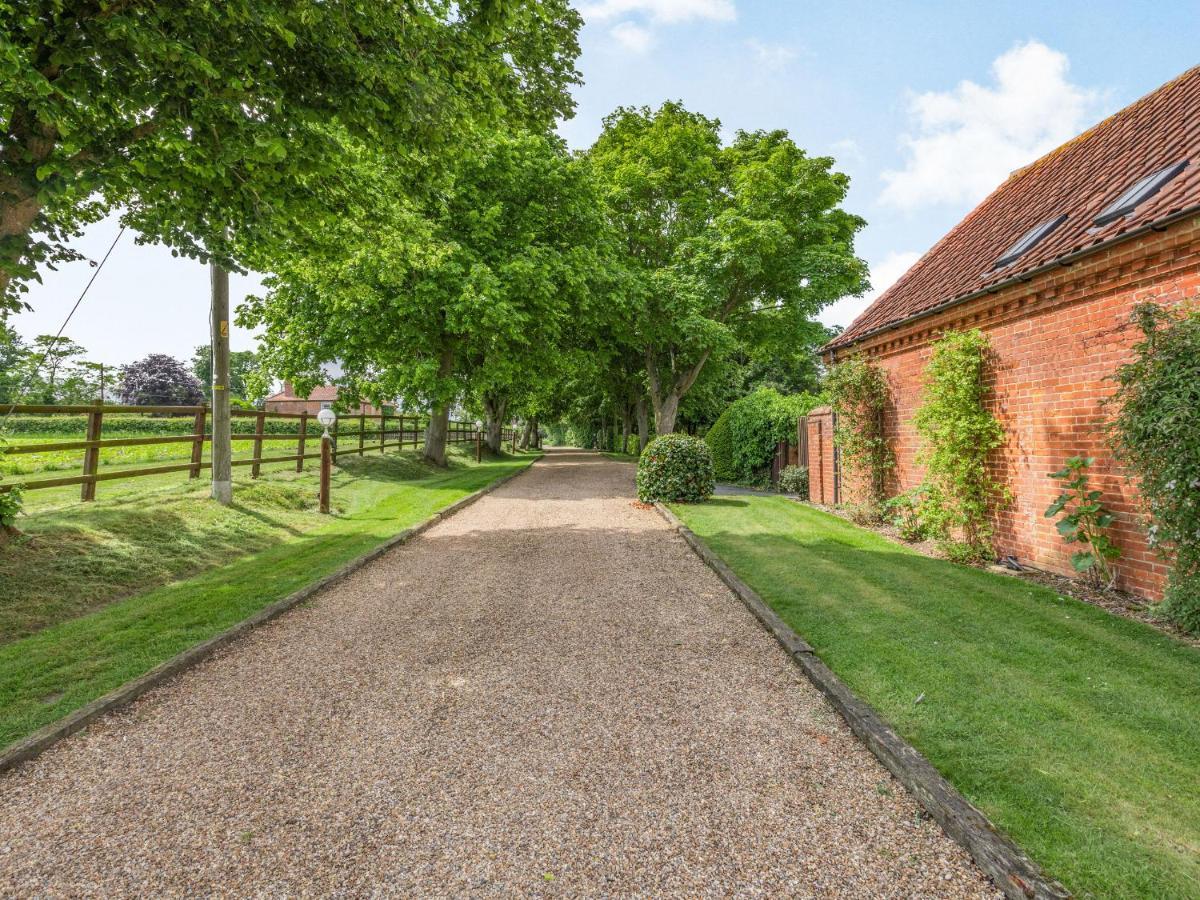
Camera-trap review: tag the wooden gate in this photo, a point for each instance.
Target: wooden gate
(789, 453)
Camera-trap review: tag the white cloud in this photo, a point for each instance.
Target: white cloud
(666, 12)
(967, 140)
(772, 57)
(884, 274)
(848, 153)
(632, 37)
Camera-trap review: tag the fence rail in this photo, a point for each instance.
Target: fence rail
(377, 432)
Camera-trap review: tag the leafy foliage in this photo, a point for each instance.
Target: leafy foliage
(675, 468)
(10, 507)
(858, 393)
(743, 439)
(959, 433)
(726, 246)
(243, 369)
(1085, 521)
(212, 124)
(159, 380)
(904, 512)
(794, 480)
(1156, 433)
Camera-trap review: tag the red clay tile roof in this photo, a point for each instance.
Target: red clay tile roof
(1080, 179)
(321, 392)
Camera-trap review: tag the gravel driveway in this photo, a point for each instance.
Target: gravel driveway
(545, 694)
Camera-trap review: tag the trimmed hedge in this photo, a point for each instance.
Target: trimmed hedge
(675, 468)
(743, 439)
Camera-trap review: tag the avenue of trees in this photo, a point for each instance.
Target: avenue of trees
(395, 173)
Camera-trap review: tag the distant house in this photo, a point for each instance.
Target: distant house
(321, 397)
(1049, 267)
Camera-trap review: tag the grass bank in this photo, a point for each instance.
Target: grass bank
(1074, 730)
(100, 593)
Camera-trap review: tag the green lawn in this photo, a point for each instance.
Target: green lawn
(79, 620)
(1077, 732)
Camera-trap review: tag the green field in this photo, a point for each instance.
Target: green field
(98, 593)
(1074, 730)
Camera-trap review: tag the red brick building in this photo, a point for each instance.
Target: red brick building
(1049, 267)
(322, 397)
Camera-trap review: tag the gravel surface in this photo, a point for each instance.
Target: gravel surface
(546, 694)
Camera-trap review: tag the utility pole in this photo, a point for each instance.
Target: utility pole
(222, 450)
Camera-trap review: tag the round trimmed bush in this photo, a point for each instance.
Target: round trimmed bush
(675, 468)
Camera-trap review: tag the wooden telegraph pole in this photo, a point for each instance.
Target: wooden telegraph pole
(222, 445)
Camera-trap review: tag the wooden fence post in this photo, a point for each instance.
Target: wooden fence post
(478, 445)
(303, 435)
(326, 465)
(91, 456)
(260, 420)
(362, 433)
(198, 444)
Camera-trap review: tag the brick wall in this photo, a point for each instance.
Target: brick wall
(1056, 339)
(820, 455)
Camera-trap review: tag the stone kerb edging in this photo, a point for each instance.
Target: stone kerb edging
(29, 747)
(1012, 871)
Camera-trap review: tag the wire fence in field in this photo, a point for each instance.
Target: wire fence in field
(176, 439)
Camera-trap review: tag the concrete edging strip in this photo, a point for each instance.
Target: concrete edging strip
(27, 748)
(1012, 871)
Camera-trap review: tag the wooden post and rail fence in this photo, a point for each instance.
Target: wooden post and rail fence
(389, 431)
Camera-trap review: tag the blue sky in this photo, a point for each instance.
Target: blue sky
(927, 106)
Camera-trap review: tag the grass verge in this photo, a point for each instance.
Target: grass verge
(278, 544)
(1075, 731)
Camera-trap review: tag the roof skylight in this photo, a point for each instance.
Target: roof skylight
(1140, 192)
(1028, 240)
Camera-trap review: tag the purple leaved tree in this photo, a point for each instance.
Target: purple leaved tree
(160, 380)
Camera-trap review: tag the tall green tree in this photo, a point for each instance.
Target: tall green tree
(731, 245)
(243, 366)
(465, 295)
(214, 125)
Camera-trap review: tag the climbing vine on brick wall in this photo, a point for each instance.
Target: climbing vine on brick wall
(958, 434)
(1156, 433)
(858, 393)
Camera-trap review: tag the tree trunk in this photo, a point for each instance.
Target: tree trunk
(494, 409)
(643, 424)
(626, 426)
(525, 435)
(666, 408)
(435, 434)
(535, 435)
(439, 418)
(19, 209)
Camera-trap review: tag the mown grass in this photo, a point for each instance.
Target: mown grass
(89, 601)
(1075, 731)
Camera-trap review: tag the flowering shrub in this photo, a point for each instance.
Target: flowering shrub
(675, 467)
(794, 480)
(1156, 433)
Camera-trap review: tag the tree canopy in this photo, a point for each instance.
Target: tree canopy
(215, 125)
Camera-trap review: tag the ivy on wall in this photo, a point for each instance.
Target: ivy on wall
(858, 393)
(958, 434)
(1156, 433)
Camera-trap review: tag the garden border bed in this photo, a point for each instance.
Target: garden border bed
(32, 746)
(1011, 870)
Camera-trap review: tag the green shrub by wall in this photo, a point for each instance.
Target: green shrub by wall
(675, 468)
(742, 441)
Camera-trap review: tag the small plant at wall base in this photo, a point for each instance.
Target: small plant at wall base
(794, 480)
(959, 433)
(904, 512)
(1085, 521)
(675, 468)
(1156, 434)
(858, 393)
